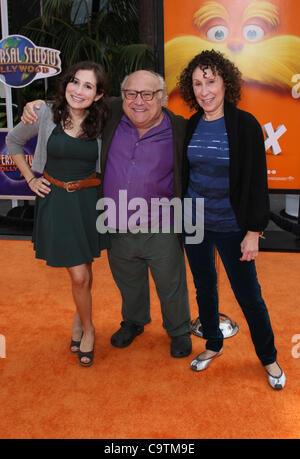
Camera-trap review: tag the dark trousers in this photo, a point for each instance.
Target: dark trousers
(131, 257)
(243, 279)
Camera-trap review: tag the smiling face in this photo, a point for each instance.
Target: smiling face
(209, 90)
(81, 92)
(143, 114)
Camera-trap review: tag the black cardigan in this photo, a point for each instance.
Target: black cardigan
(248, 188)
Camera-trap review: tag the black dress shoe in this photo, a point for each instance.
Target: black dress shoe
(126, 334)
(181, 346)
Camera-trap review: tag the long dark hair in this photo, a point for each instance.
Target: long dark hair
(97, 113)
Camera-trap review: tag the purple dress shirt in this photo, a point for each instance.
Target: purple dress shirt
(139, 167)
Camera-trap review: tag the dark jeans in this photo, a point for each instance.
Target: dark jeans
(243, 279)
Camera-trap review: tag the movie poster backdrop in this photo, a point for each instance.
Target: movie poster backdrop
(262, 37)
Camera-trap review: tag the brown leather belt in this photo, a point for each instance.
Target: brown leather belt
(70, 187)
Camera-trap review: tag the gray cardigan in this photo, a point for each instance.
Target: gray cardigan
(43, 128)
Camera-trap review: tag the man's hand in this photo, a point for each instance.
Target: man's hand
(40, 186)
(29, 115)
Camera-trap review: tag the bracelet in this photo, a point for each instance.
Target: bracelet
(31, 180)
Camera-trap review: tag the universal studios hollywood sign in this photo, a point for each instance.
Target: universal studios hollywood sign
(21, 62)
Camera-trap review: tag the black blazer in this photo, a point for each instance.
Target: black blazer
(248, 189)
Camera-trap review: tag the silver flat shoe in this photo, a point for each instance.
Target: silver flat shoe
(278, 382)
(199, 364)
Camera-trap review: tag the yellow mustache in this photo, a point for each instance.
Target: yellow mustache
(272, 62)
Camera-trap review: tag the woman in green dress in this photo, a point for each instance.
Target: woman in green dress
(68, 157)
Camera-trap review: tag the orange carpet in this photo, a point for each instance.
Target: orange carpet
(138, 392)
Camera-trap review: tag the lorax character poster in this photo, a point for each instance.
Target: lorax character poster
(262, 37)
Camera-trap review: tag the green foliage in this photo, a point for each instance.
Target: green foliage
(109, 36)
(3, 120)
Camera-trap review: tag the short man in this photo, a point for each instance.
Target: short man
(142, 155)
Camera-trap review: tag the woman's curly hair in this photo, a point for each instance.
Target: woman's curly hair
(97, 113)
(218, 64)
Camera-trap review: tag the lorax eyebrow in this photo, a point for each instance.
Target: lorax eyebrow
(262, 10)
(210, 10)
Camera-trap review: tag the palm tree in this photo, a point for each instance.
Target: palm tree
(108, 34)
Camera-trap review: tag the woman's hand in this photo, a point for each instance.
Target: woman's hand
(39, 186)
(249, 246)
(29, 115)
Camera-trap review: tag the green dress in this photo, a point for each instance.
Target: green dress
(64, 232)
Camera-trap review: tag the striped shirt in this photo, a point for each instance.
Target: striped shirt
(208, 155)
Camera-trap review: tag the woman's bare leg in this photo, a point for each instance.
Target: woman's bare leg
(81, 278)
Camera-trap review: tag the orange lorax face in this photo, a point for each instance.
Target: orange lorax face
(262, 38)
(239, 26)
